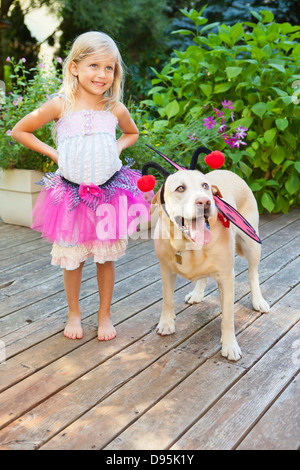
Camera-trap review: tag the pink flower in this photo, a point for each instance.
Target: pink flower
(209, 122)
(222, 128)
(15, 102)
(8, 59)
(41, 65)
(8, 132)
(241, 132)
(227, 104)
(23, 60)
(229, 140)
(59, 60)
(218, 113)
(238, 142)
(20, 98)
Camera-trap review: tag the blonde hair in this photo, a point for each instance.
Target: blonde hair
(84, 45)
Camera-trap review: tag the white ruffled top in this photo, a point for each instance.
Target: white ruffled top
(86, 145)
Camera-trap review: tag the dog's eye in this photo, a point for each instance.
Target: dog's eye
(180, 189)
(205, 186)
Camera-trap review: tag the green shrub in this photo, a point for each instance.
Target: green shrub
(23, 95)
(253, 65)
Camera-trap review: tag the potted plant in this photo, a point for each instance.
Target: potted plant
(20, 167)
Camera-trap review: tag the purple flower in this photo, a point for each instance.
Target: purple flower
(222, 128)
(192, 136)
(227, 104)
(8, 59)
(232, 116)
(238, 142)
(23, 60)
(229, 140)
(241, 132)
(218, 113)
(209, 122)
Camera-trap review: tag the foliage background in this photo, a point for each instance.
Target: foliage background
(166, 90)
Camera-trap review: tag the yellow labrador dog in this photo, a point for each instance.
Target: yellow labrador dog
(190, 240)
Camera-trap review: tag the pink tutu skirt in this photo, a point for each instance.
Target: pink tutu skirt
(72, 215)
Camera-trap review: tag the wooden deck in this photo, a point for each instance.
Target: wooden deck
(141, 390)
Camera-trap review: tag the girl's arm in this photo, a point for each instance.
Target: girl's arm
(129, 130)
(23, 130)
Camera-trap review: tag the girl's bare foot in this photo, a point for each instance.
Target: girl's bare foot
(106, 330)
(73, 329)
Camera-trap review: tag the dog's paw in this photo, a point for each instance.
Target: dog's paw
(193, 297)
(231, 350)
(260, 305)
(165, 328)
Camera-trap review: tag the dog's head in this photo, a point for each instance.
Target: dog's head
(189, 202)
(187, 198)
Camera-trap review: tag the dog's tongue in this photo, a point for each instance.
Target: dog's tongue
(200, 233)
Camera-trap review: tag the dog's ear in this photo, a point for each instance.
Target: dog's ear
(216, 191)
(156, 198)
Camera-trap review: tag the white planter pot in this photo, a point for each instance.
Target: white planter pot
(18, 194)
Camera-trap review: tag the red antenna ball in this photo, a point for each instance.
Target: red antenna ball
(215, 159)
(146, 183)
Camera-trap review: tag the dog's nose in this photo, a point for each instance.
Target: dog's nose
(203, 201)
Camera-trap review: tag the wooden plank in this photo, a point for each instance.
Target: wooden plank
(126, 307)
(61, 397)
(53, 297)
(277, 224)
(279, 428)
(151, 431)
(13, 321)
(151, 345)
(33, 288)
(247, 400)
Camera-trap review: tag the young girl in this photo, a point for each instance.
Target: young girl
(88, 207)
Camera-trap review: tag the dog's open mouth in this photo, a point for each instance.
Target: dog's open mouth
(196, 229)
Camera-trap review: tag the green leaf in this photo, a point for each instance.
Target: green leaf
(221, 87)
(278, 154)
(184, 32)
(207, 89)
(267, 202)
(270, 135)
(259, 109)
(256, 186)
(282, 124)
(233, 71)
(156, 89)
(159, 125)
(267, 16)
(256, 15)
(293, 184)
(297, 166)
(171, 109)
(278, 67)
(245, 122)
(245, 169)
